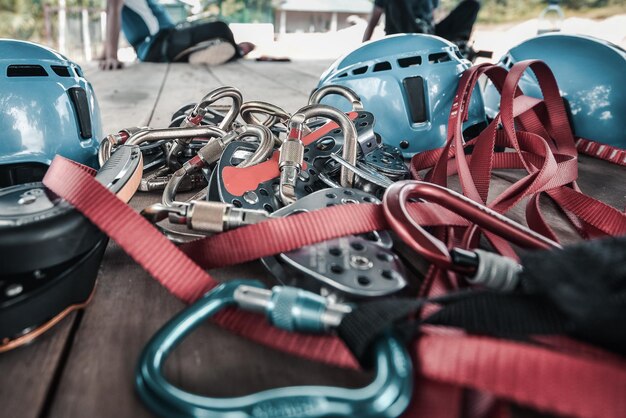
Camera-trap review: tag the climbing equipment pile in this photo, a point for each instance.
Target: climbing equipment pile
(385, 261)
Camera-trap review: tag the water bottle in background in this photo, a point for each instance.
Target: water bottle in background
(551, 18)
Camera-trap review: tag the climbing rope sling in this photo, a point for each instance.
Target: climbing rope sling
(561, 376)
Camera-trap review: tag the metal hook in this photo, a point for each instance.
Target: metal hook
(364, 172)
(274, 113)
(349, 152)
(292, 309)
(111, 141)
(345, 92)
(220, 93)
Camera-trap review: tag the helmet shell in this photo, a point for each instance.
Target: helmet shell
(590, 73)
(47, 107)
(408, 81)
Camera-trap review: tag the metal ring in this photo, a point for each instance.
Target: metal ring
(274, 113)
(343, 91)
(220, 93)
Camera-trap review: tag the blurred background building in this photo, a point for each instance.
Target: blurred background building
(318, 15)
(316, 29)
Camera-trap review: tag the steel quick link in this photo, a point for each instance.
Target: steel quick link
(291, 159)
(204, 216)
(348, 94)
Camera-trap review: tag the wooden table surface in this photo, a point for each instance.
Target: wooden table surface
(85, 366)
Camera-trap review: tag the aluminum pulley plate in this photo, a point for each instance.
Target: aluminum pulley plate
(352, 267)
(256, 187)
(388, 160)
(227, 180)
(364, 124)
(153, 154)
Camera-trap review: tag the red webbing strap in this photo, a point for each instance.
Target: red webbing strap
(293, 232)
(546, 151)
(285, 234)
(540, 135)
(144, 243)
(604, 152)
(547, 380)
(581, 386)
(184, 278)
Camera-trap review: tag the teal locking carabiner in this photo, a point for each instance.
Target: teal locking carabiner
(289, 308)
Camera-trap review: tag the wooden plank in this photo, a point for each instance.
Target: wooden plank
(184, 84)
(312, 68)
(296, 75)
(127, 97)
(27, 373)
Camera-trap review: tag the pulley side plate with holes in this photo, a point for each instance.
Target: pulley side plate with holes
(261, 196)
(351, 267)
(256, 187)
(364, 124)
(388, 160)
(263, 179)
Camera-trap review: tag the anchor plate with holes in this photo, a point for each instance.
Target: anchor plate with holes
(352, 267)
(255, 187)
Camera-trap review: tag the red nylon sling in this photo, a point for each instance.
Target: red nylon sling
(573, 383)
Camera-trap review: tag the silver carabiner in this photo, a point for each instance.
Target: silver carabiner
(113, 140)
(221, 93)
(275, 114)
(317, 96)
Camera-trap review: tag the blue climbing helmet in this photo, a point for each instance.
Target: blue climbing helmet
(590, 73)
(408, 81)
(47, 108)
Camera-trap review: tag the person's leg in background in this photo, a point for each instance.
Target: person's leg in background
(210, 43)
(458, 25)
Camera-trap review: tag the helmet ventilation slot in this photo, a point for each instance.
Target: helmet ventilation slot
(409, 61)
(382, 66)
(360, 70)
(342, 75)
(416, 98)
(78, 96)
(439, 57)
(61, 70)
(26, 71)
